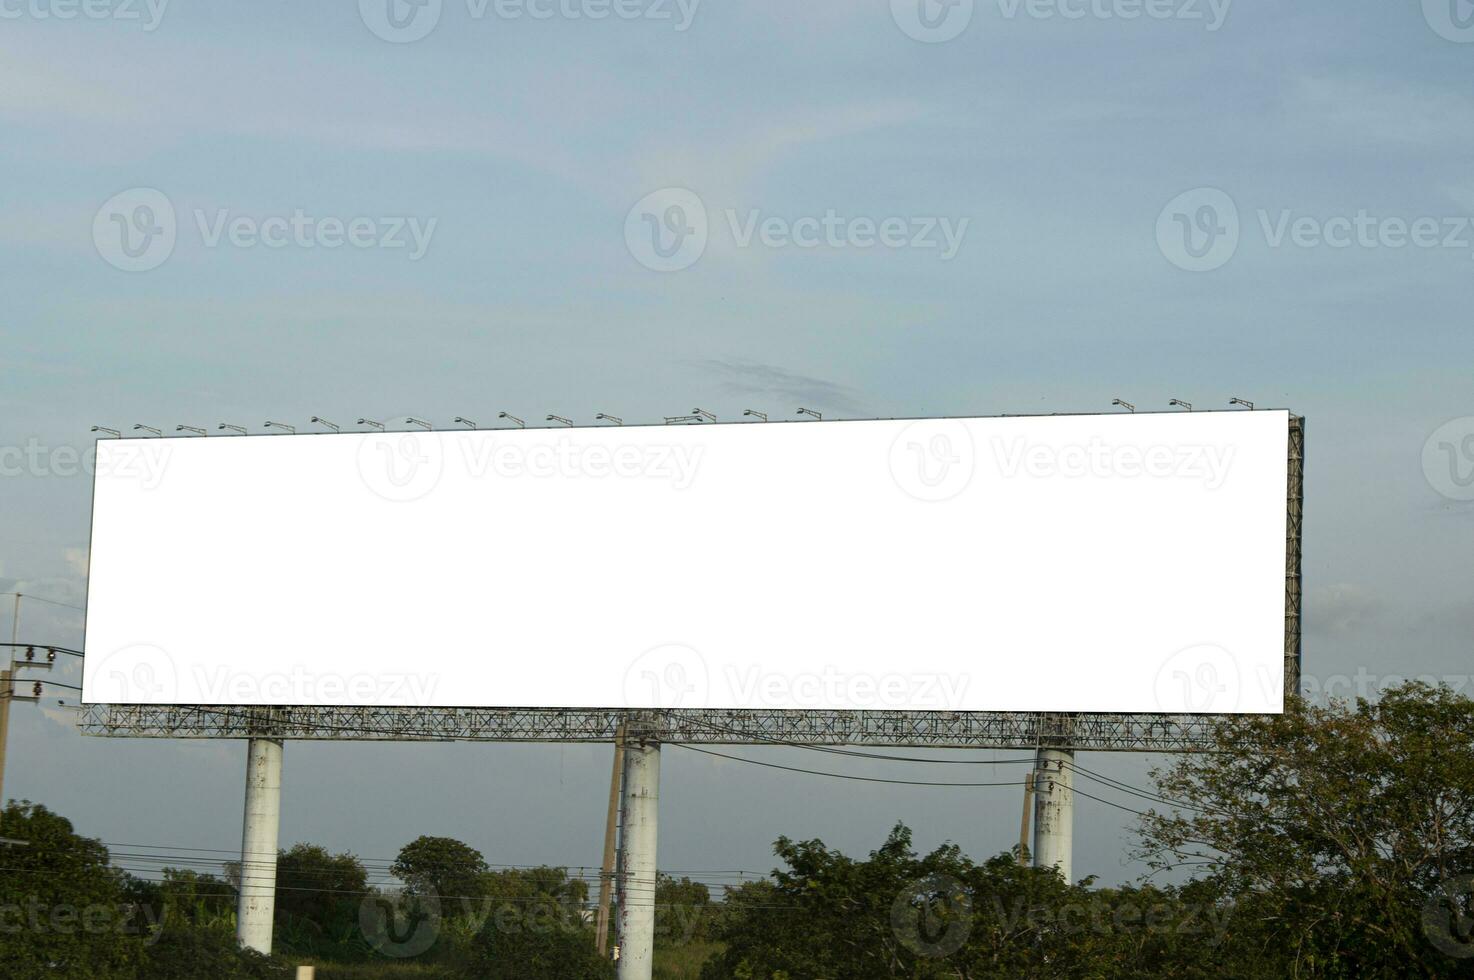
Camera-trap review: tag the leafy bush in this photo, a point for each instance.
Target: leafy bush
(189, 953)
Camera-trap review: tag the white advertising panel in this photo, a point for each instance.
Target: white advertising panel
(1122, 563)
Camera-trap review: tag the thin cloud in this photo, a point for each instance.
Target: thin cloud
(750, 378)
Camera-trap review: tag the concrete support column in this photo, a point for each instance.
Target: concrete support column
(637, 865)
(1054, 811)
(257, 903)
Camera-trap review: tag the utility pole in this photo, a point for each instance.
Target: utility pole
(637, 849)
(1054, 811)
(7, 683)
(611, 823)
(257, 898)
(7, 691)
(1023, 830)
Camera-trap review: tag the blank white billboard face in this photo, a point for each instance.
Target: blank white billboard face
(1125, 563)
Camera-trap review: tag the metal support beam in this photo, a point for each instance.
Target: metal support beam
(1023, 830)
(637, 867)
(611, 825)
(1054, 811)
(257, 902)
(7, 691)
(958, 729)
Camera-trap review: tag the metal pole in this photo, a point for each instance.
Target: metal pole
(637, 847)
(1023, 830)
(611, 822)
(1054, 811)
(257, 902)
(7, 688)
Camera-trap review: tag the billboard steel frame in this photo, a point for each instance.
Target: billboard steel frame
(976, 729)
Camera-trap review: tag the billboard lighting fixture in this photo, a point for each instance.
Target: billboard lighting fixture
(191, 428)
(147, 428)
(609, 418)
(755, 414)
(372, 424)
(233, 428)
(112, 432)
(1126, 405)
(319, 420)
(1181, 404)
(809, 411)
(291, 429)
(1240, 401)
(559, 418)
(420, 422)
(512, 418)
(703, 413)
(465, 421)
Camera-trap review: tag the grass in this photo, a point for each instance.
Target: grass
(381, 971)
(683, 962)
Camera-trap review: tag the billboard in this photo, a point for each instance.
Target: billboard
(1090, 563)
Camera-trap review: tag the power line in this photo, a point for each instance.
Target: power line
(838, 775)
(54, 602)
(856, 752)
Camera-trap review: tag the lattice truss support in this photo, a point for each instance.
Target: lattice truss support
(975, 729)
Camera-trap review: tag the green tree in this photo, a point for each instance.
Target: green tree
(318, 890)
(442, 866)
(897, 914)
(682, 910)
(64, 912)
(1334, 829)
(194, 897)
(500, 954)
(190, 953)
(546, 881)
(529, 924)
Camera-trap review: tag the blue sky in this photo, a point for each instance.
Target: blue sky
(524, 144)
